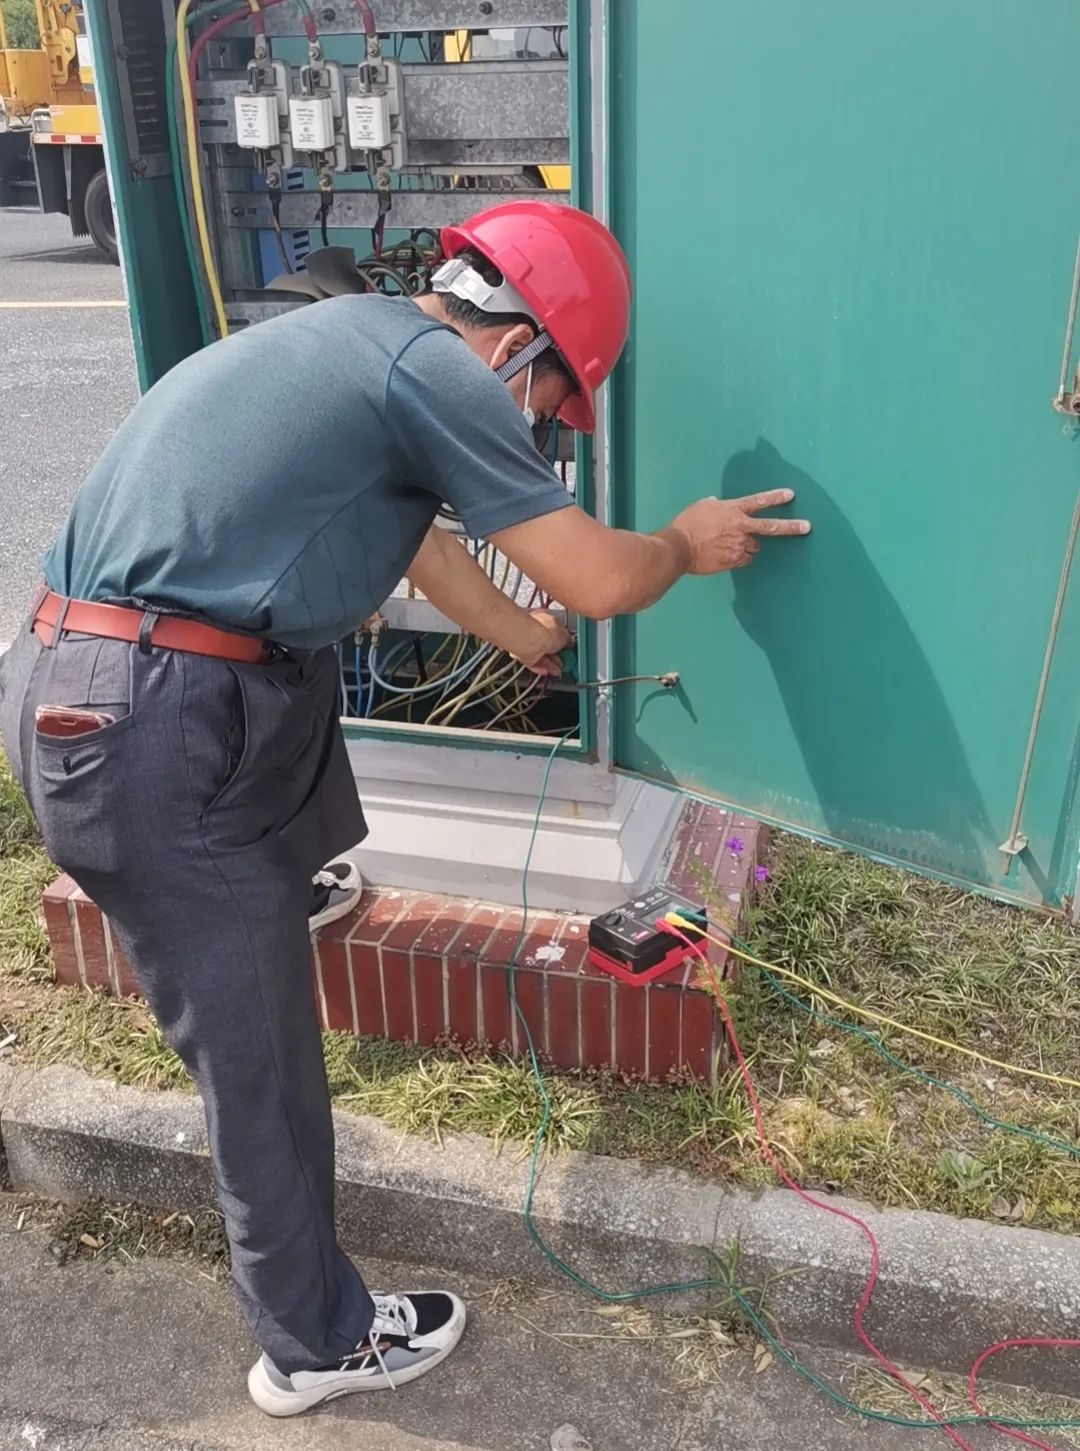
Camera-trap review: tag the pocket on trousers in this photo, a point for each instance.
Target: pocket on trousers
(78, 789)
(216, 731)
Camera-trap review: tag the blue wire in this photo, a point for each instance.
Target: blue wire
(346, 704)
(442, 684)
(358, 667)
(373, 678)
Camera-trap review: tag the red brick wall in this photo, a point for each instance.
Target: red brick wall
(425, 969)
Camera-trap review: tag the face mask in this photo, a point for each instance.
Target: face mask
(530, 416)
(541, 431)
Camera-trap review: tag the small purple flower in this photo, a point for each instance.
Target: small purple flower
(761, 874)
(734, 845)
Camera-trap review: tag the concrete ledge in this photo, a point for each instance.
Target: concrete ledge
(948, 1288)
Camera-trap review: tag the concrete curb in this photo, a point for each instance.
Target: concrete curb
(948, 1289)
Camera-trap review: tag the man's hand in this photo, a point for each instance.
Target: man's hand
(543, 641)
(453, 581)
(726, 533)
(599, 572)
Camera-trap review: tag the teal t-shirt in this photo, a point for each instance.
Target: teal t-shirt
(281, 481)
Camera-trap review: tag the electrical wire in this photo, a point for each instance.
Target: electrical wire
(480, 690)
(449, 707)
(182, 204)
(188, 63)
(326, 201)
(343, 689)
(274, 193)
(1026, 1342)
(753, 1317)
(184, 207)
(525, 700)
(699, 950)
(367, 19)
(185, 19)
(434, 686)
(879, 1047)
(195, 171)
(373, 678)
(187, 88)
(436, 677)
(881, 1019)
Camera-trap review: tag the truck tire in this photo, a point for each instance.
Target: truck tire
(99, 216)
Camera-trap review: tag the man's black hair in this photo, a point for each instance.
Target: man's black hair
(467, 314)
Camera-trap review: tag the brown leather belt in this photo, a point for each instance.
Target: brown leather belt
(126, 622)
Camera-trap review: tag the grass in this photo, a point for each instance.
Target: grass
(126, 1233)
(873, 1390)
(955, 965)
(25, 871)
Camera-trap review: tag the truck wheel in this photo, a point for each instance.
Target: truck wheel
(99, 216)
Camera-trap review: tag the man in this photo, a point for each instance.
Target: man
(170, 707)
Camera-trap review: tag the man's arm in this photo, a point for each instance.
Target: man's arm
(451, 579)
(599, 572)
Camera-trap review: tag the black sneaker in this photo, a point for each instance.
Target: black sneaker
(336, 890)
(411, 1334)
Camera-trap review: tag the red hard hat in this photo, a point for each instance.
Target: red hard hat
(575, 278)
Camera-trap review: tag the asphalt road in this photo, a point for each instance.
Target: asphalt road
(149, 1355)
(67, 378)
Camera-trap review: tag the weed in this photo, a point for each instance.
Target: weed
(25, 872)
(126, 1232)
(873, 1390)
(952, 964)
(496, 1097)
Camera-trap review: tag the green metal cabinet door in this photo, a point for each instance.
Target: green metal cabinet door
(852, 228)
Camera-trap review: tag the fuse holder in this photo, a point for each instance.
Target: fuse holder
(258, 126)
(311, 119)
(369, 121)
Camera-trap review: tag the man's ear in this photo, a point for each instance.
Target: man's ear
(512, 341)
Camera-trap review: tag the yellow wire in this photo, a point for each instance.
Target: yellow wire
(389, 706)
(868, 1013)
(196, 175)
(456, 703)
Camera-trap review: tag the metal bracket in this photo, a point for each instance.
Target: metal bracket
(1067, 400)
(1016, 842)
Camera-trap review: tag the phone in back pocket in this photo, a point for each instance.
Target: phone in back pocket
(60, 722)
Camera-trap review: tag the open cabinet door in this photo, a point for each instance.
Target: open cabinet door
(853, 230)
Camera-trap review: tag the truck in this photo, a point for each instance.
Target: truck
(51, 148)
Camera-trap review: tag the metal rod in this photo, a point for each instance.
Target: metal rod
(1070, 327)
(669, 680)
(1015, 843)
(600, 180)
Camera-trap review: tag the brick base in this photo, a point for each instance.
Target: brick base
(425, 969)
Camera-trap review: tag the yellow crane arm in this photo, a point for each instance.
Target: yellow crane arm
(59, 27)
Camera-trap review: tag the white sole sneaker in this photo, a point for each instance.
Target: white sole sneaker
(345, 894)
(275, 1393)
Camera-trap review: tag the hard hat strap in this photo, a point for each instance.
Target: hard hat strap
(527, 355)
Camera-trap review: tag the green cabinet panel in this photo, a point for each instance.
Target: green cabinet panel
(130, 50)
(852, 230)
